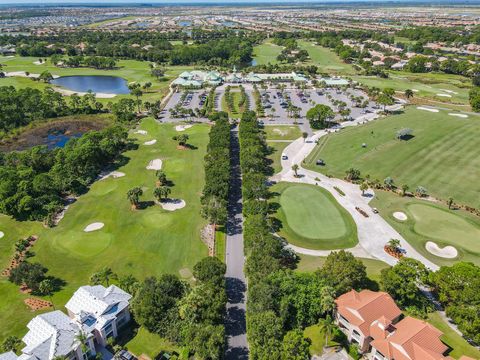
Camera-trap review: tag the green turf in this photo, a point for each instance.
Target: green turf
(220, 243)
(266, 53)
(146, 242)
(428, 221)
(459, 345)
(276, 155)
(312, 218)
(326, 59)
(282, 132)
(316, 334)
(237, 110)
(443, 156)
(149, 344)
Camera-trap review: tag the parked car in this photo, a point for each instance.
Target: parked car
(320, 162)
(125, 355)
(284, 157)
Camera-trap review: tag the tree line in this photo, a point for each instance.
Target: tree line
(34, 182)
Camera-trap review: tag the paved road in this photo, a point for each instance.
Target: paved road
(235, 323)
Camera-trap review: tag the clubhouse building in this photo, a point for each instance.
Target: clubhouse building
(95, 313)
(374, 322)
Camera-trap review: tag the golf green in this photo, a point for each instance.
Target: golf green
(312, 218)
(446, 227)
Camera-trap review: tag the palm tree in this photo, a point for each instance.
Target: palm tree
(408, 93)
(393, 244)
(133, 196)
(389, 183)
(103, 276)
(161, 192)
(161, 177)
(327, 297)
(295, 168)
(82, 338)
(11, 343)
(363, 187)
(46, 287)
(327, 325)
(450, 202)
(404, 189)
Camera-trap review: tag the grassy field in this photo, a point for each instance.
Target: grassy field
(149, 344)
(426, 87)
(443, 155)
(237, 110)
(282, 132)
(326, 59)
(266, 53)
(311, 218)
(316, 334)
(131, 70)
(429, 221)
(275, 155)
(146, 242)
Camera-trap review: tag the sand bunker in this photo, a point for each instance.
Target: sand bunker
(182, 127)
(172, 204)
(154, 164)
(463, 116)
(400, 215)
(1, 234)
(113, 174)
(415, 90)
(448, 252)
(38, 62)
(280, 132)
(444, 95)
(141, 132)
(449, 91)
(151, 142)
(94, 226)
(427, 109)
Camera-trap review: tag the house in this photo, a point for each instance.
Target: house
(372, 319)
(197, 78)
(100, 311)
(359, 313)
(94, 312)
(52, 335)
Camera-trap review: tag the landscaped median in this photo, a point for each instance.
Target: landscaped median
(310, 217)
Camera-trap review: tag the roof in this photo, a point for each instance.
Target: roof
(363, 308)
(95, 306)
(412, 339)
(335, 81)
(51, 334)
(8, 356)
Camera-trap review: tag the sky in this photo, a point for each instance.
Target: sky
(40, 2)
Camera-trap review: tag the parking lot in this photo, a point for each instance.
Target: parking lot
(182, 103)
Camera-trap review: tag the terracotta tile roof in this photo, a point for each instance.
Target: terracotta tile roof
(365, 307)
(412, 339)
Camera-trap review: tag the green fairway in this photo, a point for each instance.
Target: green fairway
(147, 242)
(275, 156)
(312, 218)
(326, 59)
(282, 132)
(266, 53)
(131, 70)
(428, 221)
(443, 156)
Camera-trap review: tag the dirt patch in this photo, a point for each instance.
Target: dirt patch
(37, 304)
(207, 234)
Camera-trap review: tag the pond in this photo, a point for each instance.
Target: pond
(59, 139)
(95, 83)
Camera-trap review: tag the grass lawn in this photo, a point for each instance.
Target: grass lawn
(142, 243)
(220, 243)
(312, 218)
(317, 336)
(237, 110)
(266, 53)
(282, 132)
(149, 344)
(426, 86)
(429, 221)
(275, 155)
(459, 345)
(443, 156)
(326, 59)
(131, 70)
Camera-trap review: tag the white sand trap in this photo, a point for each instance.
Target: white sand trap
(444, 95)
(172, 204)
(280, 132)
(415, 90)
(94, 226)
(463, 116)
(154, 164)
(182, 127)
(1, 234)
(151, 142)
(38, 63)
(141, 132)
(113, 174)
(449, 91)
(427, 109)
(400, 215)
(448, 252)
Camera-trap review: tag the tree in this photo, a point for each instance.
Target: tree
(265, 331)
(408, 93)
(133, 196)
(45, 76)
(394, 244)
(103, 276)
(161, 192)
(327, 325)
(352, 174)
(181, 139)
(82, 339)
(11, 343)
(420, 191)
(138, 93)
(124, 110)
(389, 183)
(343, 271)
(385, 100)
(363, 187)
(295, 168)
(450, 203)
(295, 346)
(46, 287)
(129, 284)
(161, 177)
(210, 269)
(304, 135)
(405, 188)
(214, 210)
(207, 341)
(147, 86)
(403, 134)
(319, 115)
(28, 274)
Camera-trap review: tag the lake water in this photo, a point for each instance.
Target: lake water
(185, 23)
(59, 139)
(95, 83)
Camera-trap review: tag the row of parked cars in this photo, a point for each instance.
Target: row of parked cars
(203, 98)
(188, 99)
